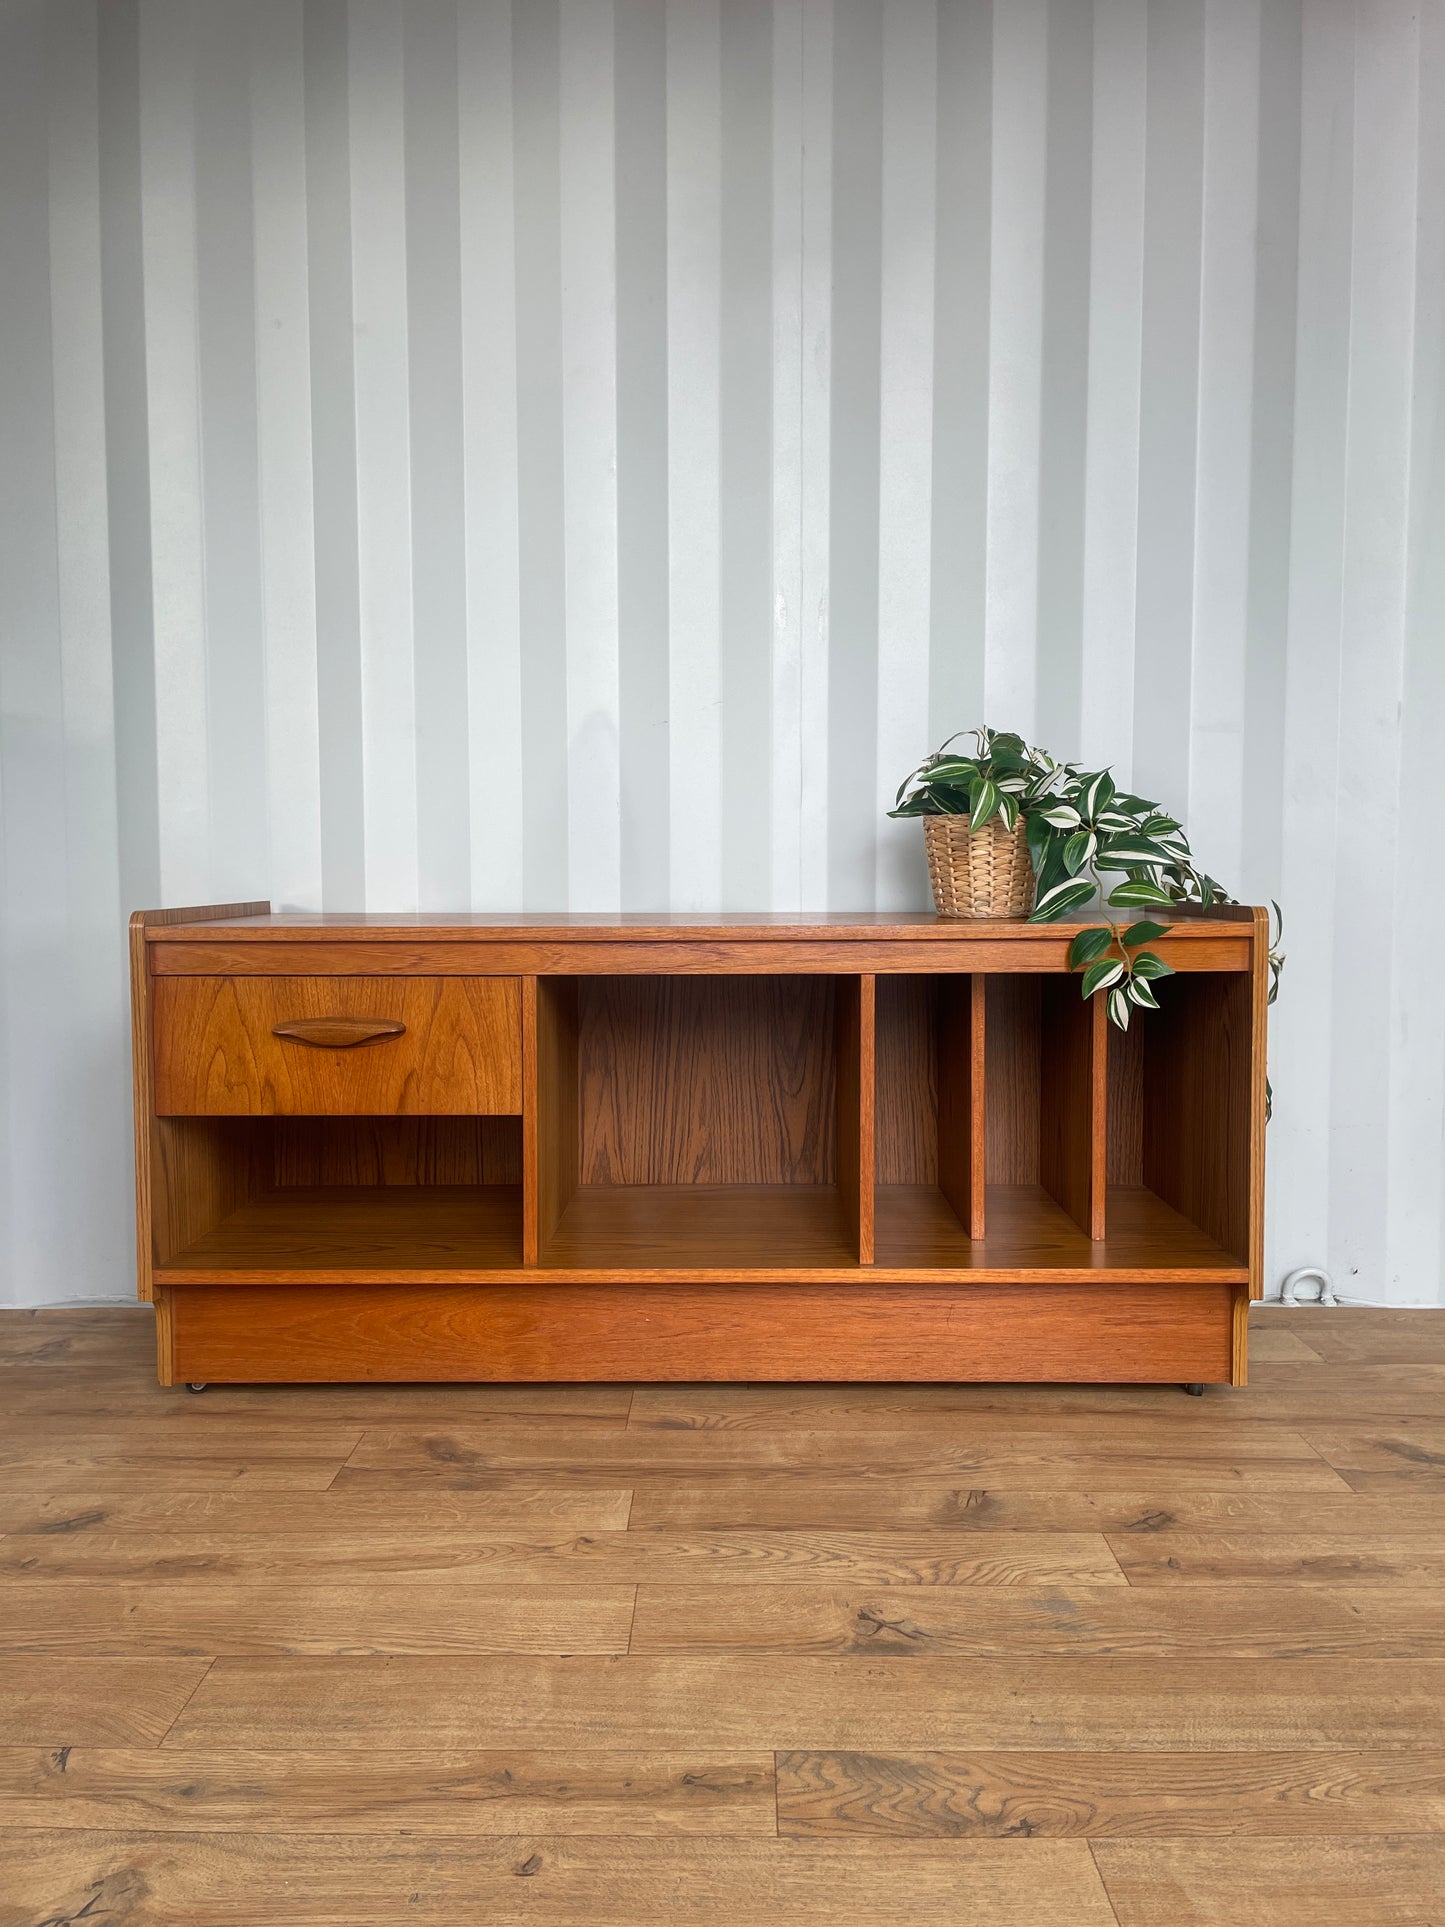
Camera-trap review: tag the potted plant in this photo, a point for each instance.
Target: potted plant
(1010, 832)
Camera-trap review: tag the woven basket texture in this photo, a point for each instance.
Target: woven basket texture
(983, 875)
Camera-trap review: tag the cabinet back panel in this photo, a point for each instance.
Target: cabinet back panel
(1126, 1099)
(906, 1091)
(1011, 1034)
(1196, 1109)
(310, 1152)
(707, 1080)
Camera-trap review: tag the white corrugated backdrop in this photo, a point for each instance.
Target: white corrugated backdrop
(581, 452)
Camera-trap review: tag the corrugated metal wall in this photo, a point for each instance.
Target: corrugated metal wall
(581, 454)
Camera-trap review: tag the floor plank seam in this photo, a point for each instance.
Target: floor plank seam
(180, 1711)
(1103, 1885)
(632, 1622)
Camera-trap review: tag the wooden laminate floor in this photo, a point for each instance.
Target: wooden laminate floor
(984, 1656)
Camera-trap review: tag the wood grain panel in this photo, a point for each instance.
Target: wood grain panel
(77, 1701)
(346, 1231)
(1360, 1556)
(1028, 1236)
(216, 1053)
(276, 1879)
(765, 1498)
(906, 1079)
(1073, 1100)
(308, 1333)
(1288, 1883)
(1012, 1080)
(854, 1130)
(152, 1199)
(454, 1793)
(1020, 1622)
(555, 1109)
(452, 1571)
(960, 1079)
(167, 1617)
(1198, 1104)
(382, 1151)
(963, 1796)
(719, 1081)
(1125, 1054)
(626, 927)
(1148, 1705)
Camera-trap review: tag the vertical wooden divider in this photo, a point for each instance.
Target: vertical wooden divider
(550, 1125)
(854, 1109)
(962, 1115)
(1074, 1101)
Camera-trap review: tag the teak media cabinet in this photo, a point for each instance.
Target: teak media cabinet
(807, 1147)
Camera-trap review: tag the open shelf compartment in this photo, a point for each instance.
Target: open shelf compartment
(703, 1123)
(994, 1135)
(1178, 1136)
(397, 1199)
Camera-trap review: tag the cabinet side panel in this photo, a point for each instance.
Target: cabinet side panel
(557, 1128)
(854, 1126)
(1258, 1099)
(1198, 1104)
(143, 1088)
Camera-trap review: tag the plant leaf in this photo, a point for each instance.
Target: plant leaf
(1130, 894)
(1096, 794)
(1078, 849)
(1061, 816)
(1119, 1008)
(1123, 852)
(1147, 965)
(1141, 994)
(1061, 898)
(982, 802)
(1088, 945)
(1144, 932)
(1100, 975)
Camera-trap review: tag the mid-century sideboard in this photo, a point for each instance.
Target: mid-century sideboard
(804, 1147)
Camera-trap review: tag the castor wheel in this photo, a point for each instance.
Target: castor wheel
(194, 1387)
(1194, 1391)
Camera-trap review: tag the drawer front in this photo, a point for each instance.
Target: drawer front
(337, 1046)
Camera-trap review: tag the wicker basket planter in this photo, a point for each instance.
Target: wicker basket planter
(988, 875)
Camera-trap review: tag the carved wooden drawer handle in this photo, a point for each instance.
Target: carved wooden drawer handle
(337, 1033)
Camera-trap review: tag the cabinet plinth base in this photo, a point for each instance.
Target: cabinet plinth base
(305, 1334)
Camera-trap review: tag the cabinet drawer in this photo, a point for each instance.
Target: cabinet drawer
(337, 1046)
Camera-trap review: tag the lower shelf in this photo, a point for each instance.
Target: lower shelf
(680, 1234)
(631, 1228)
(407, 1230)
(352, 1333)
(1033, 1239)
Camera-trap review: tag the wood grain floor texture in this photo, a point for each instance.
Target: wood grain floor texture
(990, 1656)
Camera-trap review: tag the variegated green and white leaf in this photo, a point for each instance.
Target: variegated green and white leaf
(1141, 994)
(1088, 945)
(1119, 1008)
(1078, 850)
(1129, 895)
(1063, 897)
(1099, 976)
(1147, 965)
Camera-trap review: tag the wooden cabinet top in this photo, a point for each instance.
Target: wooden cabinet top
(830, 926)
(246, 939)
